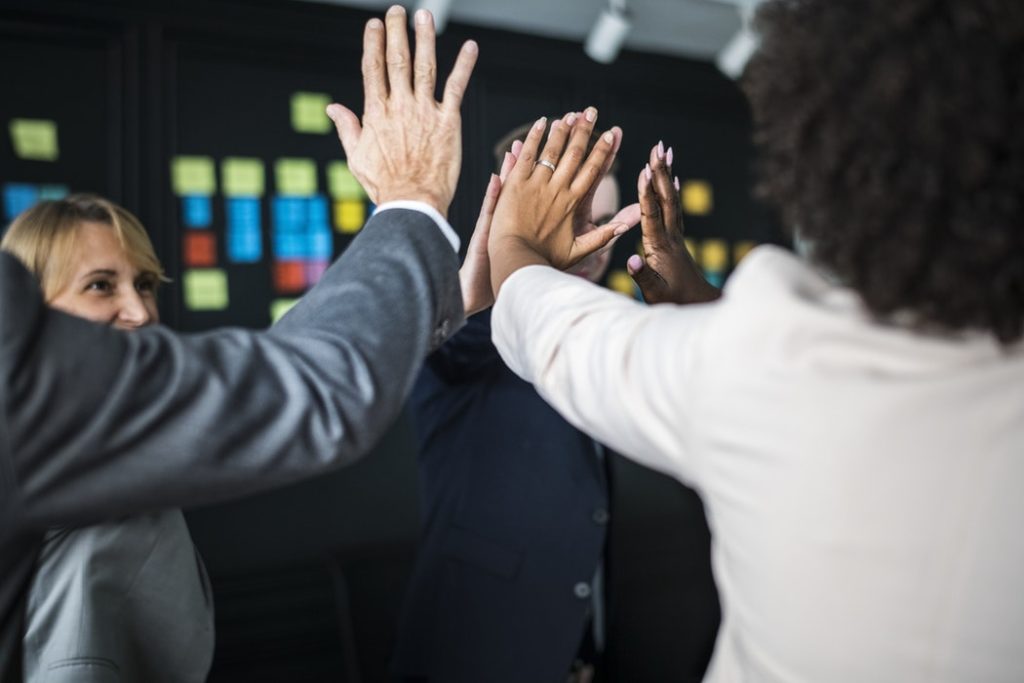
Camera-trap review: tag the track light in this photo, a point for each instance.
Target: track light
(732, 59)
(609, 33)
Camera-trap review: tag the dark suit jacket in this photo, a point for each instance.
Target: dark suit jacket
(96, 423)
(514, 508)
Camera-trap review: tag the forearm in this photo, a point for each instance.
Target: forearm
(508, 254)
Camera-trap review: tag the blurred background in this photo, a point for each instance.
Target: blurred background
(205, 118)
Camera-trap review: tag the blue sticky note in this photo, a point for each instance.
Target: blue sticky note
(19, 197)
(289, 212)
(289, 245)
(318, 213)
(243, 213)
(320, 244)
(196, 211)
(244, 246)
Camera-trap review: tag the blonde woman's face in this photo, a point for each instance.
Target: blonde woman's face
(105, 286)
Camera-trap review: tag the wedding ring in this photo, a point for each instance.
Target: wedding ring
(546, 164)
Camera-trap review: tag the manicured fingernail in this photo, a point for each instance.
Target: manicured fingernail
(590, 114)
(570, 119)
(470, 47)
(375, 24)
(668, 157)
(647, 171)
(330, 111)
(517, 147)
(661, 150)
(395, 9)
(541, 123)
(422, 16)
(635, 263)
(676, 183)
(608, 137)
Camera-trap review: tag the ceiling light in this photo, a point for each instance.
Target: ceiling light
(609, 33)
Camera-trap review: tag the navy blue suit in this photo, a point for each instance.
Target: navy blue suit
(515, 512)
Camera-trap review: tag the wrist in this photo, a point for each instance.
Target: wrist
(415, 194)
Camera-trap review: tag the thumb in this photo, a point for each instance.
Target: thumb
(347, 125)
(651, 285)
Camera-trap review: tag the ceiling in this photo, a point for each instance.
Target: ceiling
(685, 28)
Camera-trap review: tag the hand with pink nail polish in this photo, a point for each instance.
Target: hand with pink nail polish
(665, 271)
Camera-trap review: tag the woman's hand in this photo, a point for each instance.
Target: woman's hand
(475, 274)
(541, 199)
(666, 273)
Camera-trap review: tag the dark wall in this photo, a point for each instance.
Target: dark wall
(308, 578)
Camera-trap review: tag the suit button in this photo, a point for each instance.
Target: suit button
(582, 590)
(600, 516)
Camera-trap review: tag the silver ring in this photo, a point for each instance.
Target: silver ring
(546, 164)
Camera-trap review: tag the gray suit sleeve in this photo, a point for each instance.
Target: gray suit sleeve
(103, 423)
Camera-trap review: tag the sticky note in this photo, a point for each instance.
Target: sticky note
(315, 270)
(200, 249)
(621, 282)
(193, 175)
(316, 213)
(206, 289)
(244, 246)
(242, 177)
(295, 177)
(196, 211)
(697, 197)
(278, 307)
(349, 216)
(319, 244)
(308, 112)
(34, 139)
(341, 184)
(18, 197)
(289, 213)
(714, 255)
(741, 249)
(48, 192)
(289, 276)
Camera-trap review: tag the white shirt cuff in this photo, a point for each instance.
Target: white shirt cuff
(423, 207)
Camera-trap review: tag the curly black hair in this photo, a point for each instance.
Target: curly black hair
(890, 133)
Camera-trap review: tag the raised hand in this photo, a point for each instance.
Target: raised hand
(540, 201)
(666, 273)
(408, 145)
(475, 274)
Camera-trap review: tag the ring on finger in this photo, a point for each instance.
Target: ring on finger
(547, 164)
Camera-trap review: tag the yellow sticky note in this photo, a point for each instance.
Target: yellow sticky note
(349, 216)
(698, 199)
(34, 139)
(206, 289)
(341, 184)
(296, 177)
(193, 175)
(621, 282)
(278, 307)
(242, 177)
(308, 115)
(741, 249)
(714, 255)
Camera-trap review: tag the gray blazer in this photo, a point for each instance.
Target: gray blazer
(97, 424)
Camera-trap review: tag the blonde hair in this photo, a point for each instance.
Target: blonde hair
(45, 238)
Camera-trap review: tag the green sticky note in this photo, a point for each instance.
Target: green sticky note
(53, 192)
(296, 177)
(193, 175)
(341, 183)
(242, 177)
(308, 112)
(278, 307)
(34, 139)
(206, 289)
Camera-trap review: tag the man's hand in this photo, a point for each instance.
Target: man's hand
(475, 274)
(537, 209)
(408, 146)
(666, 272)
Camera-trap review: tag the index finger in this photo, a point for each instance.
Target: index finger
(375, 79)
(458, 79)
